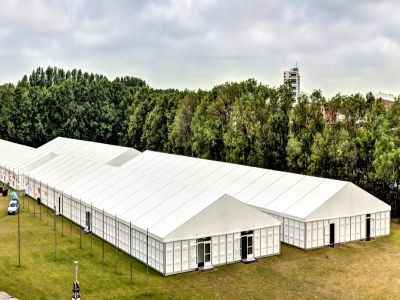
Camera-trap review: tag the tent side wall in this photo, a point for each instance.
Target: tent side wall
(346, 229)
(292, 231)
(11, 178)
(139, 244)
(181, 256)
(316, 234)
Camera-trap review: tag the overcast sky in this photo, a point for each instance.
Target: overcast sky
(345, 46)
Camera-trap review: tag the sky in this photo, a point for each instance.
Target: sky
(339, 46)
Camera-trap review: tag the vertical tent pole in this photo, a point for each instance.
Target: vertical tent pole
(48, 204)
(147, 250)
(62, 214)
(19, 240)
(23, 205)
(28, 204)
(80, 222)
(55, 234)
(130, 248)
(116, 243)
(40, 209)
(34, 209)
(70, 214)
(91, 226)
(103, 235)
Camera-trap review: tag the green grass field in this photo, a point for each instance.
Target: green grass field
(360, 270)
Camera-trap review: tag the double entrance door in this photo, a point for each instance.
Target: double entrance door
(204, 253)
(246, 245)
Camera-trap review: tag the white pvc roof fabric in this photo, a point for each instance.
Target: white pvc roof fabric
(14, 155)
(224, 216)
(85, 149)
(161, 192)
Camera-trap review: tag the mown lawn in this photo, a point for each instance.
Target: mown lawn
(361, 270)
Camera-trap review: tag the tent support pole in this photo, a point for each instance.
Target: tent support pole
(19, 240)
(103, 235)
(91, 226)
(80, 226)
(147, 250)
(130, 248)
(62, 214)
(116, 244)
(55, 234)
(70, 213)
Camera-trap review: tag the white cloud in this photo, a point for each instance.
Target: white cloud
(340, 46)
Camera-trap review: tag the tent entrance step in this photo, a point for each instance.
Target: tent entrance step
(248, 260)
(206, 268)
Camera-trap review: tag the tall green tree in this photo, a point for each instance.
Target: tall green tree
(306, 121)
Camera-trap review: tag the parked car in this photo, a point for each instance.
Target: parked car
(13, 208)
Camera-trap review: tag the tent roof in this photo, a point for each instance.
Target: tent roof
(162, 191)
(14, 155)
(105, 153)
(225, 215)
(168, 194)
(349, 201)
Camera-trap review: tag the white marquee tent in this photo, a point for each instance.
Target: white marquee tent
(93, 195)
(178, 213)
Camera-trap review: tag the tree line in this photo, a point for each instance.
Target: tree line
(346, 137)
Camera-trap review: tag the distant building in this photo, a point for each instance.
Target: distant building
(293, 78)
(387, 99)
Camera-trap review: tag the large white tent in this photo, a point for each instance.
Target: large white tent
(178, 213)
(314, 211)
(106, 198)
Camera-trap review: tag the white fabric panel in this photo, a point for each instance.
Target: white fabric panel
(363, 227)
(264, 241)
(236, 247)
(277, 243)
(387, 223)
(257, 243)
(193, 254)
(169, 256)
(270, 241)
(222, 249)
(309, 235)
(327, 232)
(177, 257)
(230, 248)
(215, 250)
(185, 255)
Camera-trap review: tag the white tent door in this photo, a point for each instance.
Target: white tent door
(332, 235)
(204, 253)
(368, 227)
(88, 221)
(246, 245)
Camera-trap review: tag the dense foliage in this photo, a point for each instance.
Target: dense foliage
(352, 137)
